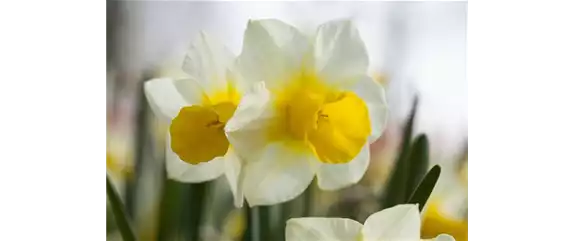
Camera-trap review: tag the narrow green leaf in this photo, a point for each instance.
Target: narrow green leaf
(424, 190)
(119, 212)
(418, 163)
(395, 189)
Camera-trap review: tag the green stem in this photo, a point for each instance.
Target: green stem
(198, 194)
(119, 212)
(252, 231)
(286, 212)
(264, 223)
(308, 201)
(171, 194)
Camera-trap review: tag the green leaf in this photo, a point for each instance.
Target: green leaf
(424, 190)
(395, 190)
(418, 163)
(119, 212)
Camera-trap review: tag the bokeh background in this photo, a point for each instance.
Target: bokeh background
(415, 49)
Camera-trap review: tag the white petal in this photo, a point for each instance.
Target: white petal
(246, 128)
(232, 173)
(374, 96)
(272, 52)
(401, 222)
(164, 98)
(185, 172)
(322, 229)
(208, 61)
(337, 176)
(190, 90)
(340, 54)
(280, 175)
(443, 237)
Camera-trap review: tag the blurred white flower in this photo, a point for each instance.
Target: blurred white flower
(313, 110)
(198, 109)
(399, 223)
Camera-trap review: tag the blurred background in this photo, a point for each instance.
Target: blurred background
(415, 49)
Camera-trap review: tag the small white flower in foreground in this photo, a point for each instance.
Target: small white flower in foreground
(198, 109)
(399, 223)
(313, 110)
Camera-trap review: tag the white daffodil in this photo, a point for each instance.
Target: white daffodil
(399, 223)
(198, 109)
(313, 110)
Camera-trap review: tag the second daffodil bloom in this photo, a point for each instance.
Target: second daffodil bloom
(198, 109)
(312, 110)
(398, 223)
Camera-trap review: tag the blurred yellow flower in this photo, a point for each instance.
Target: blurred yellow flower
(197, 109)
(119, 158)
(447, 212)
(398, 223)
(436, 222)
(235, 225)
(312, 110)
(115, 167)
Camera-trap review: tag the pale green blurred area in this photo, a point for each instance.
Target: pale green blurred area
(413, 47)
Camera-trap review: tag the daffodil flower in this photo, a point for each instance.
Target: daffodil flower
(312, 110)
(398, 223)
(198, 109)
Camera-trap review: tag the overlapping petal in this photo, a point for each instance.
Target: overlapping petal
(401, 222)
(322, 229)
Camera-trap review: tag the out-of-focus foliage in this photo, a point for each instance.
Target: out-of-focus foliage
(408, 183)
(397, 191)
